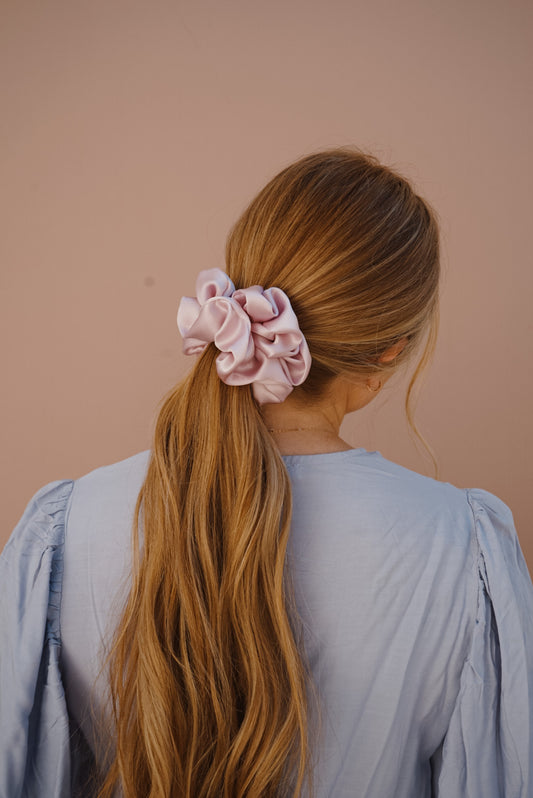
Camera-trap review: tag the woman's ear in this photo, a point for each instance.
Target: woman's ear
(393, 351)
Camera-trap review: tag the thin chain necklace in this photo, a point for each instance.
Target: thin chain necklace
(300, 429)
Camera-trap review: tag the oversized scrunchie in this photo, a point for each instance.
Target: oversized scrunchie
(256, 331)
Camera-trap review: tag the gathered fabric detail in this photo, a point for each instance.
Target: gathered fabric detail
(488, 748)
(34, 725)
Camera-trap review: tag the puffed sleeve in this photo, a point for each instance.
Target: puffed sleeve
(488, 748)
(34, 728)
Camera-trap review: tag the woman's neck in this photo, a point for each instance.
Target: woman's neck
(293, 443)
(305, 429)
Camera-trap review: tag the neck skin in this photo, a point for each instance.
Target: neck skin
(324, 415)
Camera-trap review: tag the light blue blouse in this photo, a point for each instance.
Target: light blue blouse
(417, 614)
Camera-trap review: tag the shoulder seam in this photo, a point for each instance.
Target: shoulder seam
(480, 561)
(61, 561)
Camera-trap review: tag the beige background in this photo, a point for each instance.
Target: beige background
(134, 133)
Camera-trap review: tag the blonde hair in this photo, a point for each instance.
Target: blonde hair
(209, 685)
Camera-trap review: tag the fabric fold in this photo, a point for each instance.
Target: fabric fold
(488, 748)
(34, 730)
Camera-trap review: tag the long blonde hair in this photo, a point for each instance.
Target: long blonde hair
(208, 679)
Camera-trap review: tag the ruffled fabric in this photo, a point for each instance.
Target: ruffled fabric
(488, 748)
(34, 727)
(255, 330)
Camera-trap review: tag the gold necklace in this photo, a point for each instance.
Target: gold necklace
(300, 429)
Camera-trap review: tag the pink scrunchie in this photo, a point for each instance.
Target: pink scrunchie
(256, 331)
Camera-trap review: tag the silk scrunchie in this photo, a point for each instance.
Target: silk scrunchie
(256, 331)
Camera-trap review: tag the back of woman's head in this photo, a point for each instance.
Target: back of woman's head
(354, 248)
(208, 677)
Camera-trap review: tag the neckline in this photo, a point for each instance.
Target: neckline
(341, 455)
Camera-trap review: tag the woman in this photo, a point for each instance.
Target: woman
(297, 616)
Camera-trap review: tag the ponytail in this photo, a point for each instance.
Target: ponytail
(208, 682)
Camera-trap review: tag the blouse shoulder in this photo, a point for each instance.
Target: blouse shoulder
(502, 568)
(34, 729)
(31, 563)
(494, 522)
(43, 519)
(488, 748)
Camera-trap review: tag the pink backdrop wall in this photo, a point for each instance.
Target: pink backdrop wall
(134, 133)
